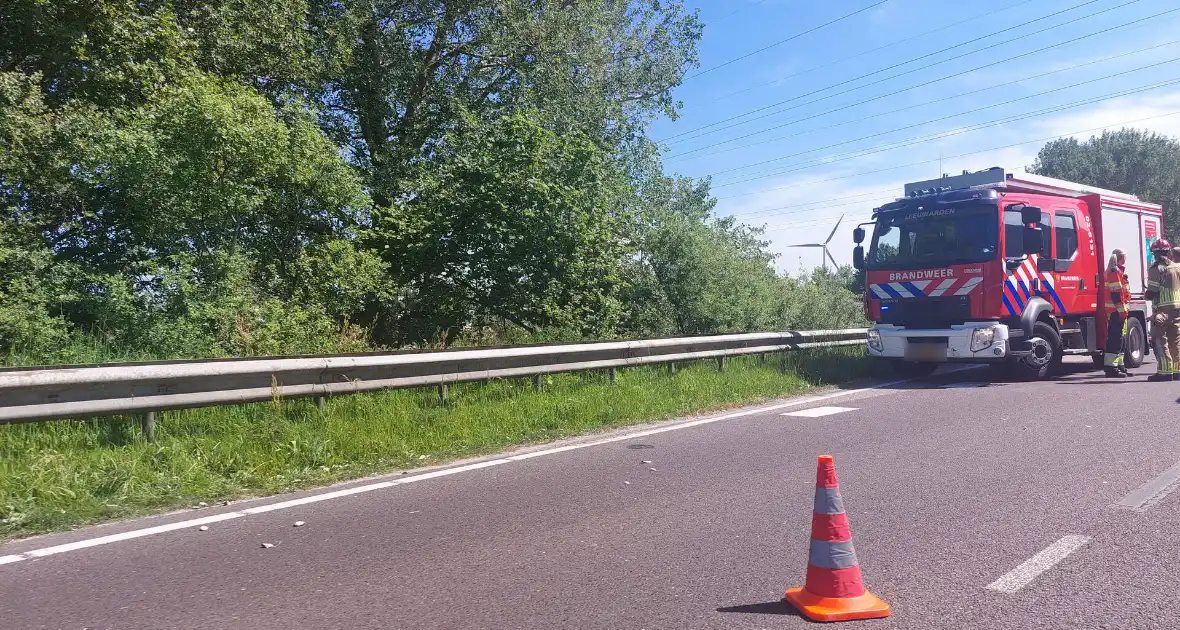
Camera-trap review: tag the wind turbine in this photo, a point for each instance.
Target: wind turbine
(824, 246)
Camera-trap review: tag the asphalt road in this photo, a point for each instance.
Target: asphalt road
(950, 484)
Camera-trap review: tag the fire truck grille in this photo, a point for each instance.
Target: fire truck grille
(926, 312)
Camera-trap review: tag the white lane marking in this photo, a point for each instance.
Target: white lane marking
(819, 412)
(1022, 575)
(138, 533)
(1151, 493)
(445, 472)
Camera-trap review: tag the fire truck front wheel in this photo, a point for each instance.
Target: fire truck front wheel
(1045, 355)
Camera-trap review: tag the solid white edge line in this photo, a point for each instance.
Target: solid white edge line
(138, 533)
(1021, 576)
(445, 472)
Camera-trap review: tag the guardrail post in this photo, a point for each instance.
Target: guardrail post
(720, 364)
(321, 402)
(782, 363)
(614, 376)
(442, 392)
(149, 426)
(671, 368)
(537, 382)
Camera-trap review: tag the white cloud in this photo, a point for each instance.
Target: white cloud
(803, 206)
(1159, 113)
(885, 14)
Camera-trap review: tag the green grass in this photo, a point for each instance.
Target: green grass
(57, 475)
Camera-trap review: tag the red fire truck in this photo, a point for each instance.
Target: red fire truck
(999, 267)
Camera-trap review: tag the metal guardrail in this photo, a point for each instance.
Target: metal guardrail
(49, 393)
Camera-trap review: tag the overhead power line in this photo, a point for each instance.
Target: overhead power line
(693, 153)
(897, 65)
(947, 117)
(958, 74)
(795, 209)
(869, 52)
(794, 225)
(783, 41)
(812, 206)
(951, 157)
(748, 6)
(947, 134)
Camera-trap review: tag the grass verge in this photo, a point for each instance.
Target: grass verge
(58, 475)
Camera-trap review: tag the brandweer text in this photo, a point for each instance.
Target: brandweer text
(926, 274)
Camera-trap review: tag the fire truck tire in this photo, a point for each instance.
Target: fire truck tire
(908, 369)
(1047, 344)
(1135, 344)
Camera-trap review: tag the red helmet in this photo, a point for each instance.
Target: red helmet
(1161, 245)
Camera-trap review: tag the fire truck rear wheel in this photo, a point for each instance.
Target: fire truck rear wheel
(1135, 345)
(1046, 355)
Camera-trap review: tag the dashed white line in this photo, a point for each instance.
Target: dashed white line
(1021, 576)
(445, 472)
(819, 412)
(1151, 493)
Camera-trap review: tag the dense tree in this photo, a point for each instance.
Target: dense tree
(709, 275)
(517, 223)
(183, 178)
(399, 75)
(1128, 160)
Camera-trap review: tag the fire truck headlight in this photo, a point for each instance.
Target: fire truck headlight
(875, 340)
(982, 338)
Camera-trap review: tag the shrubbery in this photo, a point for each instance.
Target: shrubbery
(236, 178)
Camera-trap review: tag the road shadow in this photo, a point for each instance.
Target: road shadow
(779, 607)
(1074, 371)
(1122, 381)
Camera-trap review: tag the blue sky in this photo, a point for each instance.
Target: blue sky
(825, 125)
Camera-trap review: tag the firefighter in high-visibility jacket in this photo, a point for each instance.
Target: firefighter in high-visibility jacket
(1163, 290)
(1118, 297)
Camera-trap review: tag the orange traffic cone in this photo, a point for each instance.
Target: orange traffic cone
(834, 590)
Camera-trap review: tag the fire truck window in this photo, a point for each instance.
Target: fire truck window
(1067, 236)
(1012, 234)
(953, 236)
(1014, 237)
(1047, 234)
(889, 244)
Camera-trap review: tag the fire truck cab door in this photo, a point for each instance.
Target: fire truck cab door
(1073, 279)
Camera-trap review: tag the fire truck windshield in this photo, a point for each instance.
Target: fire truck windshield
(938, 237)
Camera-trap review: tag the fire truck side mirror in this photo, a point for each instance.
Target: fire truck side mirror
(858, 257)
(1030, 214)
(858, 235)
(1032, 239)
